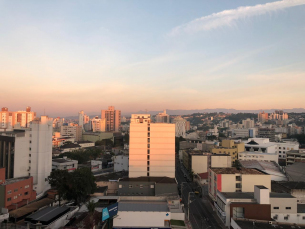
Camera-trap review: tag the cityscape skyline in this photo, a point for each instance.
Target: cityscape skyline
(240, 55)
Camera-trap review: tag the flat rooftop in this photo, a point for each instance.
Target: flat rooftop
(61, 160)
(143, 206)
(286, 186)
(250, 195)
(111, 176)
(47, 215)
(234, 170)
(14, 180)
(164, 180)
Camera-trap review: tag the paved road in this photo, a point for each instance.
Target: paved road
(201, 215)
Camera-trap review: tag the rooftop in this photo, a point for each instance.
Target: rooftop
(234, 170)
(250, 195)
(70, 145)
(286, 186)
(111, 176)
(82, 142)
(280, 195)
(143, 206)
(164, 180)
(249, 224)
(296, 171)
(61, 160)
(14, 180)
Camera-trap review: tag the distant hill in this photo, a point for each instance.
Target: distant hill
(187, 112)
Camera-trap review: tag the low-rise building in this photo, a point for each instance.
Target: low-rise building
(147, 213)
(69, 147)
(295, 188)
(64, 164)
(147, 186)
(230, 147)
(258, 156)
(294, 156)
(15, 192)
(236, 180)
(72, 130)
(121, 163)
(86, 144)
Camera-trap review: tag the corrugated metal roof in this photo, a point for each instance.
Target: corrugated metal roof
(145, 206)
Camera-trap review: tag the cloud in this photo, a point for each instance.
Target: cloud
(230, 17)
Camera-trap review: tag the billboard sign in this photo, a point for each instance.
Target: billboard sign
(110, 211)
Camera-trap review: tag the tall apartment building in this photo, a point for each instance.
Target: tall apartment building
(262, 117)
(98, 124)
(72, 130)
(236, 180)
(8, 119)
(113, 119)
(151, 148)
(279, 115)
(180, 126)
(82, 119)
(28, 152)
(162, 117)
(248, 123)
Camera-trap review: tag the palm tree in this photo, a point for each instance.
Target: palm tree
(91, 207)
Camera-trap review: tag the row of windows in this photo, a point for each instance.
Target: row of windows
(141, 186)
(15, 197)
(16, 189)
(288, 208)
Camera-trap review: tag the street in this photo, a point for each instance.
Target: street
(201, 214)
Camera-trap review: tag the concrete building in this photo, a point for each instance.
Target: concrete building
(98, 125)
(148, 213)
(162, 117)
(121, 163)
(236, 180)
(229, 147)
(8, 119)
(180, 126)
(295, 188)
(82, 119)
(262, 117)
(72, 130)
(240, 133)
(151, 147)
(295, 172)
(258, 156)
(294, 156)
(263, 145)
(147, 186)
(248, 123)
(199, 162)
(266, 133)
(113, 119)
(15, 192)
(278, 115)
(85, 144)
(28, 152)
(64, 164)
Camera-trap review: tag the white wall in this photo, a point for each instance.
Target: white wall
(121, 163)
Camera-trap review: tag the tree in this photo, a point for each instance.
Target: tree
(81, 184)
(91, 206)
(59, 179)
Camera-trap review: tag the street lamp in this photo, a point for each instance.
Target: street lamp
(189, 202)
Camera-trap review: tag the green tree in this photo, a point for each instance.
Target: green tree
(81, 184)
(59, 179)
(91, 206)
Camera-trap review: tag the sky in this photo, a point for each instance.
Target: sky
(63, 56)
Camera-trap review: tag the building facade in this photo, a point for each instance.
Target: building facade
(75, 131)
(151, 147)
(113, 119)
(230, 147)
(162, 117)
(8, 119)
(28, 152)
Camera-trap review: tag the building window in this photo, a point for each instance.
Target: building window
(9, 191)
(130, 186)
(120, 186)
(303, 217)
(16, 190)
(148, 151)
(9, 199)
(148, 157)
(147, 169)
(15, 197)
(152, 186)
(288, 208)
(238, 178)
(276, 208)
(148, 145)
(27, 186)
(26, 193)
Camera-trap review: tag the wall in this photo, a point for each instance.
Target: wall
(228, 183)
(249, 180)
(299, 194)
(113, 186)
(140, 219)
(282, 203)
(220, 161)
(125, 190)
(199, 163)
(162, 189)
(253, 211)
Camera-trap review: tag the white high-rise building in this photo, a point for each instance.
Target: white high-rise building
(151, 147)
(162, 117)
(180, 124)
(248, 123)
(28, 152)
(98, 124)
(82, 119)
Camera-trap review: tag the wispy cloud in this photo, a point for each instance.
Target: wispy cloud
(230, 17)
